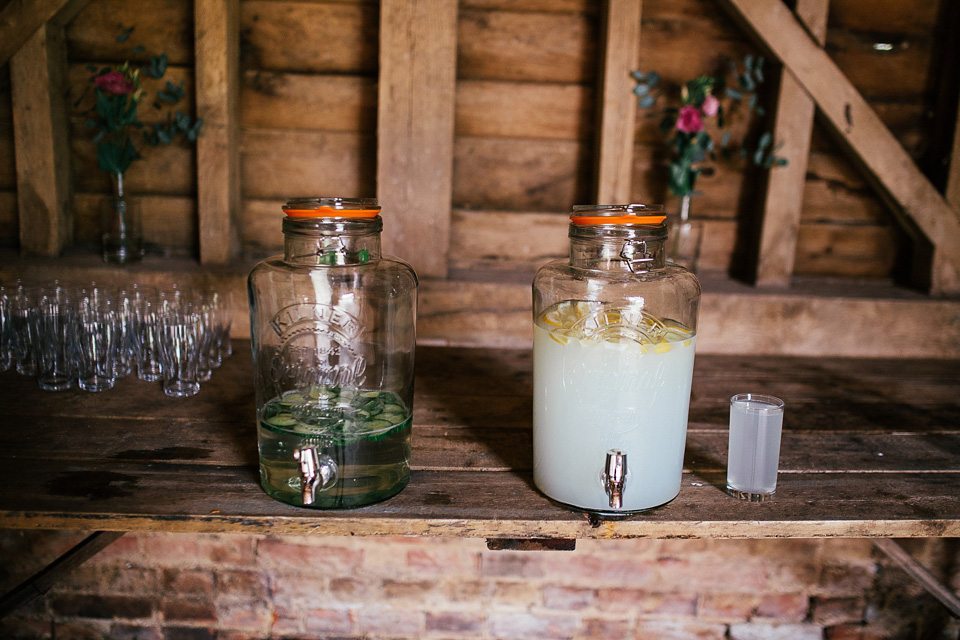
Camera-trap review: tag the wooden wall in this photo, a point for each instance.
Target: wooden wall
(525, 95)
(525, 136)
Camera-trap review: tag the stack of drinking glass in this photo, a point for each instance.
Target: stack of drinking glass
(92, 335)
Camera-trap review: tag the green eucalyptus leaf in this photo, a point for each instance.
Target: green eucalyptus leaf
(124, 34)
(158, 66)
(646, 102)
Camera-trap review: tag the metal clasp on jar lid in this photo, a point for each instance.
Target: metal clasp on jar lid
(636, 255)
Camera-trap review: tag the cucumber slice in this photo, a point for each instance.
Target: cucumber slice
(282, 420)
(293, 397)
(392, 408)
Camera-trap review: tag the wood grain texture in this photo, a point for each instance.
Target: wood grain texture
(19, 21)
(41, 139)
(415, 129)
(783, 197)
(858, 126)
(216, 25)
(148, 462)
(617, 108)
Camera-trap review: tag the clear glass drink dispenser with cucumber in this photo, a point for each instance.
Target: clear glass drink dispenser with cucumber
(333, 330)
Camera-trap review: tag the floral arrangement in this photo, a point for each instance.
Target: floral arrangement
(705, 103)
(114, 117)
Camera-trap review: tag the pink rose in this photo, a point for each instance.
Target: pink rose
(115, 83)
(688, 120)
(710, 106)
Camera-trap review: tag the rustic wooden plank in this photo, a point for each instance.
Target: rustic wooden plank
(8, 218)
(487, 108)
(38, 79)
(526, 45)
(521, 242)
(418, 48)
(560, 6)
(185, 466)
(19, 21)
(514, 175)
(314, 102)
(852, 119)
(783, 199)
(216, 25)
(617, 109)
(911, 57)
(149, 496)
(160, 26)
(277, 165)
(491, 448)
(320, 37)
(952, 192)
(817, 317)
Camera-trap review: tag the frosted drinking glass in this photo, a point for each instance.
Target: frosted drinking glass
(756, 422)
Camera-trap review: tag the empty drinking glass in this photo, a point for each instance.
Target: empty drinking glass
(126, 299)
(24, 308)
(147, 330)
(56, 339)
(180, 340)
(98, 334)
(6, 333)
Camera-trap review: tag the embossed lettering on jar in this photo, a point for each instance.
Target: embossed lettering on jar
(333, 330)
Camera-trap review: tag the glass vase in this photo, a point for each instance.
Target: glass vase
(120, 225)
(686, 238)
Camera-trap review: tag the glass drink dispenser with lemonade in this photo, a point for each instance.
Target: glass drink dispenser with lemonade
(333, 331)
(615, 328)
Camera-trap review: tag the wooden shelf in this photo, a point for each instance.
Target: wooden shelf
(870, 448)
(814, 317)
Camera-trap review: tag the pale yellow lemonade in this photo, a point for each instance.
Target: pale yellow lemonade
(609, 378)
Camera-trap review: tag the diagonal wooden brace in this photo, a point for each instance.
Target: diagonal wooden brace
(888, 166)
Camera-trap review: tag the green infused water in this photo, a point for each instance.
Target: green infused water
(366, 433)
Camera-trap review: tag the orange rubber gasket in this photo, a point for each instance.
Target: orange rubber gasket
(627, 219)
(330, 212)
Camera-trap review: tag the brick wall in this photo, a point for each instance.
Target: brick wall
(233, 587)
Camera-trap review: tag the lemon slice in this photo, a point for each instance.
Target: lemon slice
(566, 314)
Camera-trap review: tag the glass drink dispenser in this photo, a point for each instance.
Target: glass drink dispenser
(615, 328)
(333, 330)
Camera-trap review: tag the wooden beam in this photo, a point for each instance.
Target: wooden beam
(783, 200)
(415, 117)
(617, 108)
(217, 27)
(953, 178)
(41, 142)
(886, 163)
(19, 20)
